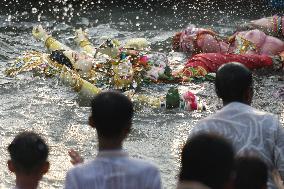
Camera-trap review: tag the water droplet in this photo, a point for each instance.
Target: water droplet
(34, 10)
(9, 18)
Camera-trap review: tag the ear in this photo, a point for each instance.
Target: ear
(127, 129)
(217, 92)
(45, 168)
(265, 187)
(229, 184)
(91, 122)
(248, 95)
(11, 166)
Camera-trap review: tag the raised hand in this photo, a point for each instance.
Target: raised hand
(75, 157)
(80, 36)
(39, 33)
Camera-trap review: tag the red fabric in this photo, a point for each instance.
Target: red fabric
(212, 61)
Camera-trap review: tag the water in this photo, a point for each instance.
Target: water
(45, 106)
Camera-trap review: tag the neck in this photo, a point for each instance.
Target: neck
(191, 184)
(110, 144)
(27, 181)
(228, 102)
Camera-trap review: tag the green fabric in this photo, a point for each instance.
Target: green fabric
(172, 98)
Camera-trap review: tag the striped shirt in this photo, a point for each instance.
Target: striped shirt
(113, 170)
(252, 132)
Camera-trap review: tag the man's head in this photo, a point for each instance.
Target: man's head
(111, 115)
(28, 152)
(251, 173)
(208, 159)
(233, 83)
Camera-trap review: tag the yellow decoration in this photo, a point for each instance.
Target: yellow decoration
(244, 45)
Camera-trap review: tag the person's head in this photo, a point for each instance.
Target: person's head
(28, 153)
(250, 173)
(208, 159)
(111, 115)
(234, 83)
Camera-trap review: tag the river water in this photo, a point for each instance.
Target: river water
(45, 106)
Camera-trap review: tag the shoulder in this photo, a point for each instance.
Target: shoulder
(265, 117)
(134, 165)
(235, 114)
(142, 169)
(82, 168)
(236, 110)
(142, 165)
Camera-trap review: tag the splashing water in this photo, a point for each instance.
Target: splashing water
(43, 105)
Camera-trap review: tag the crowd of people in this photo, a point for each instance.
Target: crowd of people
(237, 147)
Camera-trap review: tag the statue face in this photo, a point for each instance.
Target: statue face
(123, 74)
(159, 63)
(81, 62)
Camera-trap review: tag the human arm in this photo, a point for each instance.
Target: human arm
(75, 157)
(277, 179)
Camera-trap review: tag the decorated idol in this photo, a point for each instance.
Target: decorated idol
(90, 71)
(125, 66)
(199, 40)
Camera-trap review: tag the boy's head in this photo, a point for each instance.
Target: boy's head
(112, 114)
(28, 153)
(234, 83)
(251, 173)
(208, 159)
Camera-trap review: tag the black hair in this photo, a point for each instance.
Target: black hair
(250, 173)
(28, 152)
(232, 81)
(61, 58)
(207, 158)
(112, 112)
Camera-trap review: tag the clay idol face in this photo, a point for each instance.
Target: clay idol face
(187, 38)
(81, 63)
(160, 61)
(123, 74)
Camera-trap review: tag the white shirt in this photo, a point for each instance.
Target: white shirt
(251, 132)
(114, 170)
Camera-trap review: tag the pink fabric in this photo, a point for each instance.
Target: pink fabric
(191, 100)
(212, 61)
(265, 44)
(200, 40)
(194, 39)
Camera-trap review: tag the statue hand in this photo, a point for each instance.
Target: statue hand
(39, 33)
(80, 35)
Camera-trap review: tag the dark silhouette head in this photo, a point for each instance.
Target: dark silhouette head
(251, 173)
(233, 83)
(208, 159)
(112, 114)
(28, 152)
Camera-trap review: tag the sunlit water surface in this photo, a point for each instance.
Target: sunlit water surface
(45, 106)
